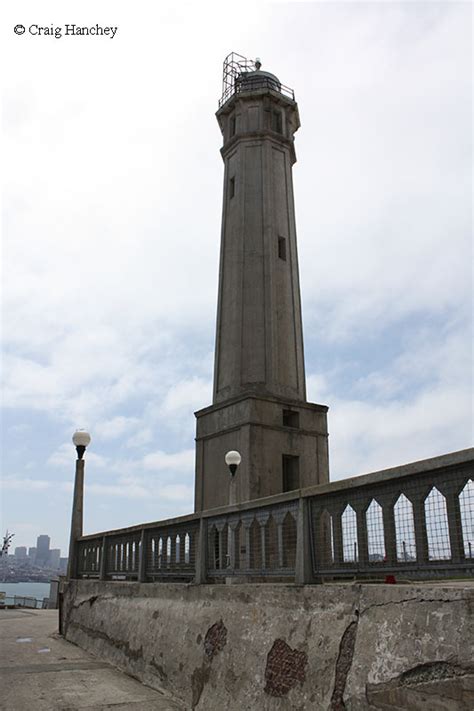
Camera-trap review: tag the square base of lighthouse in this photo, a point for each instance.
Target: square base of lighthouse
(283, 444)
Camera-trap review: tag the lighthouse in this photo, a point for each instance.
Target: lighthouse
(259, 397)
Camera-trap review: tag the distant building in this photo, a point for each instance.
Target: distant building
(20, 553)
(42, 550)
(54, 558)
(63, 565)
(32, 554)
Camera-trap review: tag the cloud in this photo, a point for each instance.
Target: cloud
(116, 427)
(65, 456)
(24, 485)
(176, 462)
(186, 395)
(418, 406)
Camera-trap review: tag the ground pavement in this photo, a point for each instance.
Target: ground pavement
(40, 671)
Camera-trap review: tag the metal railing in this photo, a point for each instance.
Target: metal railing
(415, 521)
(239, 75)
(259, 542)
(157, 551)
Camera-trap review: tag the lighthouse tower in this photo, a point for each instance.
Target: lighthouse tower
(259, 401)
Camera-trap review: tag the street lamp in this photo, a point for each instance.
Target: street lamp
(80, 439)
(233, 459)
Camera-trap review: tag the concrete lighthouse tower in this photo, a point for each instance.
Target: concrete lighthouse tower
(259, 402)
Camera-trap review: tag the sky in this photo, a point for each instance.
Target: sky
(112, 199)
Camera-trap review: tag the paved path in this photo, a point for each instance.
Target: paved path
(40, 671)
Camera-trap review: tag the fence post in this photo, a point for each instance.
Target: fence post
(336, 514)
(303, 563)
(389, 530)
(419, 520)
(103, 560)
(362, 557)
(142, 558)
(201, 558)
(451, 491)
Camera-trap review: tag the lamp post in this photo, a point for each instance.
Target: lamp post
(232, 459)
(80, 439)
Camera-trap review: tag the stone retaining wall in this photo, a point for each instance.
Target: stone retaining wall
(275, 646)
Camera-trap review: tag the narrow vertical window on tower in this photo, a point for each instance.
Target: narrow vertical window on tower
(282, 248)
(291, 472)
(232, 125)
(277, 124)
(232, 187)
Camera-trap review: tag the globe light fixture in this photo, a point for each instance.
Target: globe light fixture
(233, 459)
(81, 439)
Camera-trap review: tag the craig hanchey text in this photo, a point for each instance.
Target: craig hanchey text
(65, 30)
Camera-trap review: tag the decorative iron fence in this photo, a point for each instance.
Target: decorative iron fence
(258, 542)
(415, 521)
(420, 525)
(162, 550)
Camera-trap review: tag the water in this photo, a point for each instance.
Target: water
(36, 590)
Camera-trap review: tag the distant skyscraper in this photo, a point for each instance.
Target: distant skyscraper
(20, 552)
(42, 549)
(54, 557)
(32, 554)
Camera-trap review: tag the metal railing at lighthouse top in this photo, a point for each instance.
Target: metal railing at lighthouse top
(238, 75)
(411, 522)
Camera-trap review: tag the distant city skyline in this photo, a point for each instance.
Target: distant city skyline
(30, 550)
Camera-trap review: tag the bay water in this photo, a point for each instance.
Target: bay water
(36, 590)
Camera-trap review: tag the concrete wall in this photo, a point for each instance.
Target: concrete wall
(272, 646)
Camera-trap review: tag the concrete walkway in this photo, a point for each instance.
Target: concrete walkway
(40, 671)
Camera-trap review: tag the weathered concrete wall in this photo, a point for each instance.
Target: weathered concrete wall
(283, 647)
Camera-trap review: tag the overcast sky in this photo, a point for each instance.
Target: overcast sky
(112, 207)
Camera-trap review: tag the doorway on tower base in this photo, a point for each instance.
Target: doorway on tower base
(291, 472)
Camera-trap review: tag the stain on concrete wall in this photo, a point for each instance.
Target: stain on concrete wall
(214, 642)
(215, 639)
(285, 668)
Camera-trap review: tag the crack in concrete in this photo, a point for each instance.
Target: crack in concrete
(409, 599)
(122, 645)
(343, 664)
(91, 600)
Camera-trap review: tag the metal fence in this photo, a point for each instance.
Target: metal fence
(420, 526)
(162, 550)
(413, 522)
(260, 542)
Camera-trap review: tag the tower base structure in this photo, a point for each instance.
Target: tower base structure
(283, 443)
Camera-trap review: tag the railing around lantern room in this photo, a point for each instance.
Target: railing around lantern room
(413, 522)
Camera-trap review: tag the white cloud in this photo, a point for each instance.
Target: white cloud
(176, 462)
(115, 427)
(141, 438)
(24, 485)
(65, 456)
(417, 407)
(187, 396)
